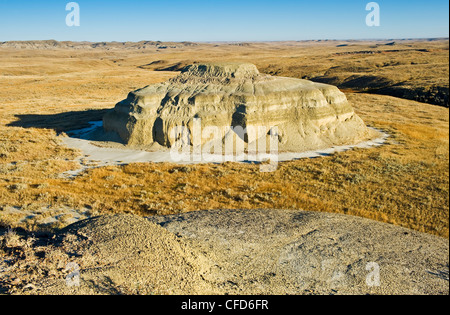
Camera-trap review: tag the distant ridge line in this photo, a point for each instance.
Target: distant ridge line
(149, 44)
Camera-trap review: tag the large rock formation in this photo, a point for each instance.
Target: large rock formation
(225, 98)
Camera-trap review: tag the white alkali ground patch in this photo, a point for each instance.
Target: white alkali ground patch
(93, 155)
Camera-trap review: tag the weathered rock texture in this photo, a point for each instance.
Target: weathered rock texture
(307, 115)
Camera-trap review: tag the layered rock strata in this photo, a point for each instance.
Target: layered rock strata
(222, 101)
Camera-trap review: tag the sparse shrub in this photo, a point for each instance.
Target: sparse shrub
(338, 160)
(3, 150)
(355, 178)
(17, 187)
(40, 186)
(11, 240)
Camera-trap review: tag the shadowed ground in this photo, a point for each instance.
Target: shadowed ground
(60, 122)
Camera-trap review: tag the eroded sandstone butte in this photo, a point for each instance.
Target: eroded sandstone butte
(307, 115)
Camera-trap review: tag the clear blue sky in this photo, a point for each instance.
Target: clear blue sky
(225, 20)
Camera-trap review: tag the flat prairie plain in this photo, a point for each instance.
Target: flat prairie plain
(400, 87)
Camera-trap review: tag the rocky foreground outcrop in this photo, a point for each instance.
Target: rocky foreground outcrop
(215, 102)
(227, 252)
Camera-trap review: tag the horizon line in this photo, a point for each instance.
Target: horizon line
(236, 41)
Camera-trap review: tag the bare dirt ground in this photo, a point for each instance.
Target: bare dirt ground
(47, 90)
(258, 252)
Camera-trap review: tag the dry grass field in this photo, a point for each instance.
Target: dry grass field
(48, 91)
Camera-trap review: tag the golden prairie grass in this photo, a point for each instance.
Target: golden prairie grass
(404, 182)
